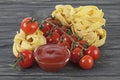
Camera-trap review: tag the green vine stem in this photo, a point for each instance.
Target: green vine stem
(15, 65)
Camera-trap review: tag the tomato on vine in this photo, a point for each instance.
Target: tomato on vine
(66, 38)
(49, 39)
(57, 30)
(65, 44)
(86, 62)
(93, 51)
(53, 37)
(76, 54)
(29, 25)
(45, 27)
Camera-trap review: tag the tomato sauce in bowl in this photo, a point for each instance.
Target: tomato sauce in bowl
(52, 57)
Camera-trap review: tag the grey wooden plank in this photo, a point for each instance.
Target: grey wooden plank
(56, 78)
(65, 1)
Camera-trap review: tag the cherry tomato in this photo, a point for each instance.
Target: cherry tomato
(45, 28)
(27, 59)
(54, 21)
(86, 62)
(75, 55)
(66, 38)
(93, 51)
(65, 44)
(29, 25)
(49, 39)
(58, 31)
(48, 24)
(45, 24)
(55, 37)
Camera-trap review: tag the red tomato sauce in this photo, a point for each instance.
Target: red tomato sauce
(52, 57)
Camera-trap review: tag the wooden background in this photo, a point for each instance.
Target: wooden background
(13, 11)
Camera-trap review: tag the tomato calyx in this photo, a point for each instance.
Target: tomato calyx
(20, 59)
(32, 19)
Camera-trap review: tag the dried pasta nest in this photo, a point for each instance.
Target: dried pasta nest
(30, 42)
(84, 21)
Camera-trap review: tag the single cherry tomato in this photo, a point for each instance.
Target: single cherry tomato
(28, 58)
(55, 37)
(56, 22)
(49, 19)
(53, 21)
(29, 25)
(76, 55)
(57, 30)
(45, 28)
(93, 51)
(49, 39)
(24, 59)
(86, 62)
(77, 45)
(65, 44)
(47, 23)
(66, 38)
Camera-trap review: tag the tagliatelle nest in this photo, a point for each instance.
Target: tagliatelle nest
(85, 21)
(30, 42)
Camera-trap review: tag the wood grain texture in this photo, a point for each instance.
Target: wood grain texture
(13, 11)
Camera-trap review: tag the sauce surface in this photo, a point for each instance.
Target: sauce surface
(52, 56)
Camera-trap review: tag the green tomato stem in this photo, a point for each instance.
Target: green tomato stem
(15, 65)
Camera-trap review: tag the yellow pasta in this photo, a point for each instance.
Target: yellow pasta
(85, 21)
(30, 42)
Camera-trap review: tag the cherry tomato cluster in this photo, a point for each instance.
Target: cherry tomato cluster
(81, 53)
